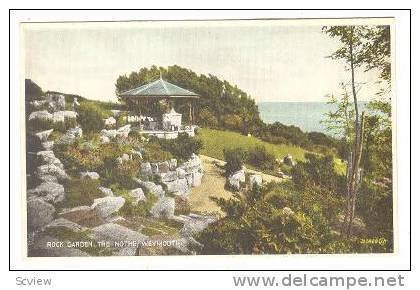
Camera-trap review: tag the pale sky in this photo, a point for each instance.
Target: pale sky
(269, 60)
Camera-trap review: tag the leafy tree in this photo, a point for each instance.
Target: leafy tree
(90, 116)
(218, 99)
(365, 47)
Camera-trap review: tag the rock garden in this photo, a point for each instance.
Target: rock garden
(97, 187)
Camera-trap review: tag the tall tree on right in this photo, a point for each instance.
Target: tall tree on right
(366, 47)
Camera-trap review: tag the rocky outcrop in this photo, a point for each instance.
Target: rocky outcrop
(40, 213)
(48, 157)
(43, 135)
(106, 206)
(164, 208)
(110, 121)
(82, 215)
(49, 191)
(151, 187)
(123, 240)
(70, 136)
(124, 131)
(137, 194)
(194, 224)
(110, 134)
(177, 180)
(106, 191)
(255, 180)
(47, 145)
(59, 116)
(145, 169)
(44, 171)
(235, 179)
(66, 224)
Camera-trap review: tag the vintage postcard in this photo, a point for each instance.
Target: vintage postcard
(225, 137)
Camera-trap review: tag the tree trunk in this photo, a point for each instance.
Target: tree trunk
(356, 153)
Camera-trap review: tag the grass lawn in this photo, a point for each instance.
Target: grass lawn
(216, 140)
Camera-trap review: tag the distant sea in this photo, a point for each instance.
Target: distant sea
(305, 115)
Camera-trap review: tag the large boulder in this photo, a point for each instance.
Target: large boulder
(180, 173)
(137, 194)
(109, 133)
(38, 104)
(40, 115)
(169, 176)
(110, 121)
(48, 157)
(70, 136)
(163, 167)
(164, 208)
(151, 187)
(49, 191)
(51, 170)
(106, 191)
(61, 116)
(48, 145)
(145, 169)
(104, 139)
(172, 164)
(40, 213)
(255, 180)
(194, 224)
(82, 215)
(191, 165)
(235, 179)
(48, 178)
(179, 186)
(43, 135)
(124, 131)
(106, 206)
(121, 239)
(196, 179)
(66, 224)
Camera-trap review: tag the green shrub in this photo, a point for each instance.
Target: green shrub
(261, 158)
(121, 120)
(183, 146)
(233, 122)
(90, 116)
(81, 191)
(153, 152)
(88, 154)
(207, 119)
(318, 171)
(235, 159)
(121, 173)
(130, 207)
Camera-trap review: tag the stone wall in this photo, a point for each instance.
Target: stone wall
(178, 179)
